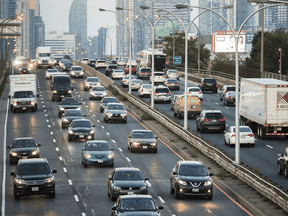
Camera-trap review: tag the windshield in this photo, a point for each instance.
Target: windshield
(23, 94)
(113, 66)
(173, 71)
(103, 61)
(128, 175)
(61, 80)
(20, 143)
(73, 113)
(137, 81)
(68, 63)
(146, 70)
(158, 74)
(144, 134)
(61, 85)
(118, 71)
(33, 169)
(98, 147)
(127, 77)
(210, 81)
(115, 107)
(52, 70)
(109, 100)
(98, 88)
(81, 124)
(76, 68)
(92, 79)
(194, 90)
(137, 204)
(187, 170)
(172, 81)
(213, 116)
(231, 88)
(243, 129)
(162, 90)
(147, 86)
(69, 102)
(44, 55)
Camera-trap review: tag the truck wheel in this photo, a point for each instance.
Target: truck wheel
(14, 110)
(280, 172)
(175, 114)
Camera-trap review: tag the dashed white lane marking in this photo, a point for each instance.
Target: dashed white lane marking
(120, 150)
(87, 106)
(49, 126)
(51, 133)
(40, 95)
(54, 140)
(98, 121)
(227, 107)
(70, 181)
(83, 214)
(81, 98)
(46, 115)
(47, 120)
(76, 92)
(43, 105)
(57, 149)
(148, 183)
(78, 95)
(269, 146)
(65, 170)
(103, 127)
(76, 198)
(217, 103)
(208, 100)
(161, 200)
(42, 101)
(60, 158)
(94, 116)
(41, 98)
(44, 110)
(113, 141)
(128, 159)
(90, 110)
(108, 134)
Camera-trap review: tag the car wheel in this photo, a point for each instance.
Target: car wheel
(226, 103)
(252, 144)
(286, 172)
(176, 194)
(201, 129)
(175, 114)
(105, 120)
(210, 197)
(111, 165)
(16, 197)
(171, 189)
(113, 198)
(131, 149)
(14, 110)
(85, 165)
(179, 115)
(225, 141)
(155, 150)
(62, 126)
(69, 138)
(230, 145)
(90, 98)
(59, 115)
(125, 122)
(53, 99)
(53, 194)
(280, 172)
(197, 128)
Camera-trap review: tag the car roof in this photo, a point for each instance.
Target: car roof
(126, 168)
(97, 141)
(141, 131)
(33, 160)
(116, 104)
(193, 163)
(20, 138)
(87, 120)
(214, 111)
(136, 196)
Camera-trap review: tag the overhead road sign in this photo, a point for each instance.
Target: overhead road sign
(177, 60)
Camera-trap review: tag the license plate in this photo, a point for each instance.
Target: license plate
(214, 120)
(77, 75)
(24, 108)
(35, 188)
(81, 136)
(100, 161)
(195, 189)
(130, 193)
(62, 96)
(144, 147)
(194, 107)
(243, 137)
(24, 157)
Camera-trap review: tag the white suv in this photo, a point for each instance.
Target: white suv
(162, 94)
(159, 77)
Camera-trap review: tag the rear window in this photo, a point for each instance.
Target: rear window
(231, 88)
(146, 70)
(242, 129)
(214, 116)
(194, 90)
(162, 90)
(158, 74)
(113, 66)
(210, 81)
(172, 81)
(173, 71)
(103, 61)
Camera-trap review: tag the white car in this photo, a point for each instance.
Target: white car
(85, 60)
(246, 136)
(195, 91)
(173, 74)
(90, 82)
(50, 72)
(97, 92)
(118, 74)
(133, 62)
(136, 84)
(121, 62)
(145, 90)
(125, 80)
(77, 71)
(101, 64)
(159, 77)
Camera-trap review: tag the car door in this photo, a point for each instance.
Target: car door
(227, 135)
(174, 177)
(110, 181)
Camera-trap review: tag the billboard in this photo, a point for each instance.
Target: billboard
(223, 41)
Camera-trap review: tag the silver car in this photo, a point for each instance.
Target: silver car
(162, 94)
(136, 84)
(90, 82)
(145, 90)
(125, 80)
(97, 92)
(115, 112)
(159, 77)
(172, 84)
(117, 74)
(77, 71)
(173, 74)
(50, 72)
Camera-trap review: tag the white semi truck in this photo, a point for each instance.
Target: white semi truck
(44, 57)
(23, 92)
(264, 106)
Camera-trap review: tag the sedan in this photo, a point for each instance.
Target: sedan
(105, 101)
(136, 205)
(126, 181)
(145, 90)
(159, 77)
(142, 140)
(125, 80)
(24, 147)
(68, 103)
(172, 84)
(133, 62)
(50, 72)
(77, 71)
(90, 82)
(69, 116)
(173, 101)
(136, 84)
(81, 129)
(173, 74)
(246, 136)
(97, 153)
(133, 69)
(117, 74)
(195, 91)
(121, 62)
(97, 92)
(115, 112)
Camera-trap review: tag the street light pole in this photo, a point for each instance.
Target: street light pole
(280, 61)
(119, 36)
(105, 43)
(262, 45)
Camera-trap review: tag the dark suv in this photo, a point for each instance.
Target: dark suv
(282, 163)
(191, 178)
(211, 120)
(68, 103)
(33, 177)
(110, 69)
(208, 84)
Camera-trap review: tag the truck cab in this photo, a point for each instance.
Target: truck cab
(61, 87)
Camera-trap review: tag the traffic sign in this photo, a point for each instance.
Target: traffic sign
(177, 60)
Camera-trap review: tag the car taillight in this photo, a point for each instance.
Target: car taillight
(150, 72)
(169, 73)
(233, 135)
(205, 119)
(142, 90)
(229, 98)
(168, 92)
(177, 73)
(189, 92)
(223, 119)
(168, 83)
(155, 92)
(199, 101)
(123, 74)
(202, 84)
(177, 83)
(199, 92)
(250, 135)
(226, 91)
(163, 76)
(216, 85)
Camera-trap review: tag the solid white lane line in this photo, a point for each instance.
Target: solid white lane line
(148, 183)
(57, 149)
(65, 170)
(54, 140)
(108, 134)
(217, 103)
(120, 150)
(76, 198)
(128, 159)
(70, 181)
(269, 146)
(161, 200)
(60, 158)
(113, 141)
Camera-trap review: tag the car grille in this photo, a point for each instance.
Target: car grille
(44, 61)
(23, 103)
(195, 184)
(116, 115)
(99, 156)
(25, 154)
(78, 133)
(35, 182)
(130, 188)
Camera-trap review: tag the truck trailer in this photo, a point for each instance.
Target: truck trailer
(264, 106)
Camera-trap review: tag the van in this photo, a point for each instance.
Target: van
(194, 106)
(61, 87)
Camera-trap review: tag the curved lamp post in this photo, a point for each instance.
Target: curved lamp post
(105, 43)
(119, 36)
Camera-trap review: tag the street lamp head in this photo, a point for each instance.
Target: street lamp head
(119, 8)
(118, 23)
(101, 9)
(106, 26)
(181, 6)
(157, 15)
(143, 7)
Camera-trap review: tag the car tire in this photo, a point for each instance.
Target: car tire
(69, 138)
(125, 122)
(53, 194)
(252, 144)
(90, 98)
(201, 129)
(85, 165)
(155, 150)
(14, 110)
(113, 198)
(175, 114)
(105, 120)
(16, 197)
(176, 194)
(179, 116)
(225, 141)
(209, 197)
(226, 103)
(131, 149)
(197, 128)
(230, 145)
(111, 165)
(286, 172)
(172, 191)
(280, 172)
(62, 126)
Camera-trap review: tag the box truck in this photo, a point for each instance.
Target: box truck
(159, 60)
(264, 106)
(43, 57)
(23, 92)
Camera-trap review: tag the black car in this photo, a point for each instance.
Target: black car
(105, 101)
(126, 181)
(22, 148)
(81, 129)
(70, 115)
(97, 152)
(142, 140)
(135, 205)
(33, 177)
(67, 66)
(110, 69)
(211, 120)
(191, 178)
(68, 103)
(282, 163)
(91, 62)
(208, 84)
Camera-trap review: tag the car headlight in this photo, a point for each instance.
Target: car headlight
(14, 154)
(104, 94)
(69, 91)
(54, 91)
(123, 114)
(110, 156)
(136, 143)
(65, 120)
(88, 156)
(78, 108)
(207, 183)
(20, 68)
(116, 188)
(61, 108)
(49, 180)
(81, 72)
(153, 144)
(143, 187)
(109, 114)
(70, 132)
(20, 181)
(92, 93)
(92, 132)
(15, 104)
(182, 182)
(72, 72)
(34, 152)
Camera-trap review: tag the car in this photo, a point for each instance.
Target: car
(196, 91)
(172, 84)
(172, 74)
(137, 205)
(208, 84)
(145, 90)
(68, 103)
(133, 62)
(159, 77)
(110, 68)
(67, 66)
(97, 152)
(193, 106)
(136, 84)
(50, 72)
(282, 163)
(92, 62)
(62, 61)
(77, 71)
(173, 102)
(162, 94)
(229, 98)
(24, 147)
(97, 92)
(191, 178)
(113, 62)
(115, 112)
(24, 67)
(211, 120)
(245, 133)
(126, 181)
(89, 82)
(144, 72)
(100, 64)
(105, 101)
(142, 140)
(33, 177)
(125, 81)
(70, 115)
(225, 89)
(133, 69)
(85, 60)
(81, 129)
(117, 74)
(121, 62)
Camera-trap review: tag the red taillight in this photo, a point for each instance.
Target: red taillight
(155, 92)
(169, 73)
(202, 84)
(226, 91)
(123, 74)
(233, 135)
(150, 72)
(142, 90)
(199, 92)
(205, 119)
(168, 83)
(163, 76)
(229, 98)
(168, 92)
(250, 135)
(199, 101)
(177, 83)
(222, 119)
(165, 63)
(216, 85)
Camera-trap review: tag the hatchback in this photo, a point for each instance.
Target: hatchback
(145, 90)
(195, 91)
(117, 74)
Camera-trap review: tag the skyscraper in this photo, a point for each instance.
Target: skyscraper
(78, 20)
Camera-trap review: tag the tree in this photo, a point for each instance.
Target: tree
(192, 50)
(272, 42)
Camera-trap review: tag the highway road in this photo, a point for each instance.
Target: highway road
(83, 191)
(262, 157)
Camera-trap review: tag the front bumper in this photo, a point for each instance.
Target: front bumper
(61, 96)
(144, 147)
(102, 161)
(126, 191)
(97, 96)
(14, 159)
(81, 136)
(163, 98)
(116, 117)
(195, 191)
(34, 189)
(23, 107)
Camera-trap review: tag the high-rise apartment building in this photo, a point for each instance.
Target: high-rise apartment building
(101, 40)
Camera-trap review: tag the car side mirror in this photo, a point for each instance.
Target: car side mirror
(10, 147)
(146, 179)
(9, 96)
(174, 172)
(38, 145)
(111, 149)
(54, 171)
(12, 173)
(156, 137)
(59, 103)
(83, 149)
(84, 115)
(79, 103)
(114, 208)
(110, 177)
(160, 207)
(280, 155)
(211, 174)
(93, 125)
